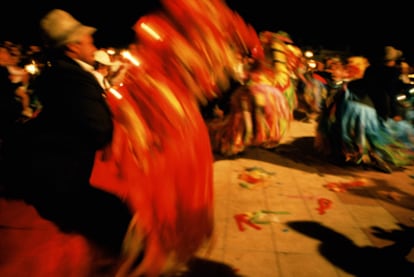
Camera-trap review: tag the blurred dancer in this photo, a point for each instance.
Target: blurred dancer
(383, 83)
(285, 58)
(351, 131)
(160, 159)
(259, 113)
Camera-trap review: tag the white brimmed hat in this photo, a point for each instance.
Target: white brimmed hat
(103, 58)
(60, 28)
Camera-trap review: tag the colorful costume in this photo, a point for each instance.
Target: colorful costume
(160, 160)
(259, 116)
(285, 59)
(261, 108)
(350, 131)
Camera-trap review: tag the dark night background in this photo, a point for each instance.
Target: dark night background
(353, 26)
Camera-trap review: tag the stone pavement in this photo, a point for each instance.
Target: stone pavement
(299, 216)
(322, 219)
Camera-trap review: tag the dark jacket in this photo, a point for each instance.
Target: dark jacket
(383, 85)
(54, 156)
(61, 142)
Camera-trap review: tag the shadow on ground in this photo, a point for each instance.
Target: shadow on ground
(383, 190)
(303, 156)
(198, 267)
(363, 261)
(300, 152)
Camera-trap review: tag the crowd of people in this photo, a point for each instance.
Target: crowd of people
(110, 146)
(362, 121)
(276, 90)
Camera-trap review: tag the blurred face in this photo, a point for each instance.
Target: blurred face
(84, 49)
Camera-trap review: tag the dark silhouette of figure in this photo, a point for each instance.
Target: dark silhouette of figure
(363, 261)
(383, 83)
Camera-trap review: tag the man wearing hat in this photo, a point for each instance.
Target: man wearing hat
(383, 83)
(60, 143)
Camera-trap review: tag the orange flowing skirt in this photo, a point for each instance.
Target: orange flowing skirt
(160, 162)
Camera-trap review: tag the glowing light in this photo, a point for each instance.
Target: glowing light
(308, 54)
(115, 93)
(150, 31)
(127, 55)
(31, 68)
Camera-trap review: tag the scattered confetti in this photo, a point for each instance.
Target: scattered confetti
(324, 204)
(243, 219)
(265, 217)
(254, 178)
(253, 219)
(344, 186)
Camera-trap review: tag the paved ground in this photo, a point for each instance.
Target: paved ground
(329, 220)
(312, 218)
